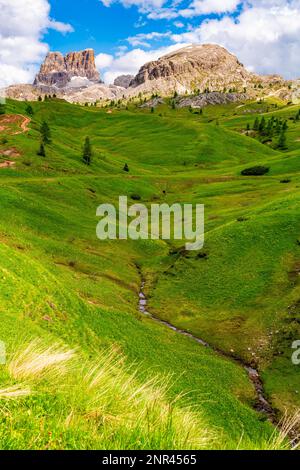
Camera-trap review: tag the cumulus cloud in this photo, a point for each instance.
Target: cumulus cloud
(22, 27)
(103, 61)
(265, 36)
(130, 62)
(205, 7)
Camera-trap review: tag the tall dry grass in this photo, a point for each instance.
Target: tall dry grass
(103, 404)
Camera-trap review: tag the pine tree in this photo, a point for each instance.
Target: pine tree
(29, 110)
(270, 128)
(262, 125)
(45, 132)
(87, 152)
(126, 168)
(256, 124)
(41, 151)
(2, 108)
(282, 141)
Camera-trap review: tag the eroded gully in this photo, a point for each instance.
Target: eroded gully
(261, 404)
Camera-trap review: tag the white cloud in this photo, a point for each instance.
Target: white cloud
(143, 5)
(179, 24)
(265, 36)
(142, 38)
(162, 14)
(130, 62)
(205, 7)
(103, 61)
(60, 27)
(21, 29)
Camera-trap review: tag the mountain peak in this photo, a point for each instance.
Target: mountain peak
(59, 71)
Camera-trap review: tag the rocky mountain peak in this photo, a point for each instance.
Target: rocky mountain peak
(59, 71)
(197, 66)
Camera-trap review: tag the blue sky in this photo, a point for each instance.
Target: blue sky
(104, 28)
(263, 34)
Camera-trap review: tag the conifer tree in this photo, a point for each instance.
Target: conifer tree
(41, 152)
(282, 141)
(256, 124)
(87, 151)
(45, 132)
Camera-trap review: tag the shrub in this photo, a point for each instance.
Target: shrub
(256, 171)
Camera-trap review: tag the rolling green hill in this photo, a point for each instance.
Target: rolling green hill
(102, 379)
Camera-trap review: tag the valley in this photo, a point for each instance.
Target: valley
(240, 293)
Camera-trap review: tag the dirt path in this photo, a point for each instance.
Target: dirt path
(14, 119)
(24, 124)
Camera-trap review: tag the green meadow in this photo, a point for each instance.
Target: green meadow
(85, 369)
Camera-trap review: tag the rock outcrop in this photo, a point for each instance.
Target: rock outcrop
(206, 99)
(200, 68)
(76, 69)
(123, 81)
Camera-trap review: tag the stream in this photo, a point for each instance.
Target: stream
(261, 403)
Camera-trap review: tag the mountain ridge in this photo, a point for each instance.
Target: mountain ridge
(192, 70)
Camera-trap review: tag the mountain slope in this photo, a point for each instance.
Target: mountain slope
(61, 283)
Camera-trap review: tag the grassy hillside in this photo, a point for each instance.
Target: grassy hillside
(78, 295)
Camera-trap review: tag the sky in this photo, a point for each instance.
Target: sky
(264, 34)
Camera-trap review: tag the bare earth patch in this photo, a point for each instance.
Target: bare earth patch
(10, 121)
(10, 153)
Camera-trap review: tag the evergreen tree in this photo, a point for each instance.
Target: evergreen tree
(40, 98)
(262, 125)
(45, 132)
(278, 127)
(126, 168)
(256, 124)
(87, 152)
(270, 128)
(2, 108)
(29, 110)
(41, 152)
(282, 141)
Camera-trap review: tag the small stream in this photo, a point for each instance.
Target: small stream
(261, 403)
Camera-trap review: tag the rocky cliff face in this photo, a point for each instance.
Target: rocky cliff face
(59, 71)
(123, 81)
(197, 67)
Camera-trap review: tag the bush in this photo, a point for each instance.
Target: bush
(256, 171)
(285, 181)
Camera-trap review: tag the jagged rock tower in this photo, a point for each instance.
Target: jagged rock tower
(75, 69)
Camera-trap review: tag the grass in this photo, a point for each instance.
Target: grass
(80, 295)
